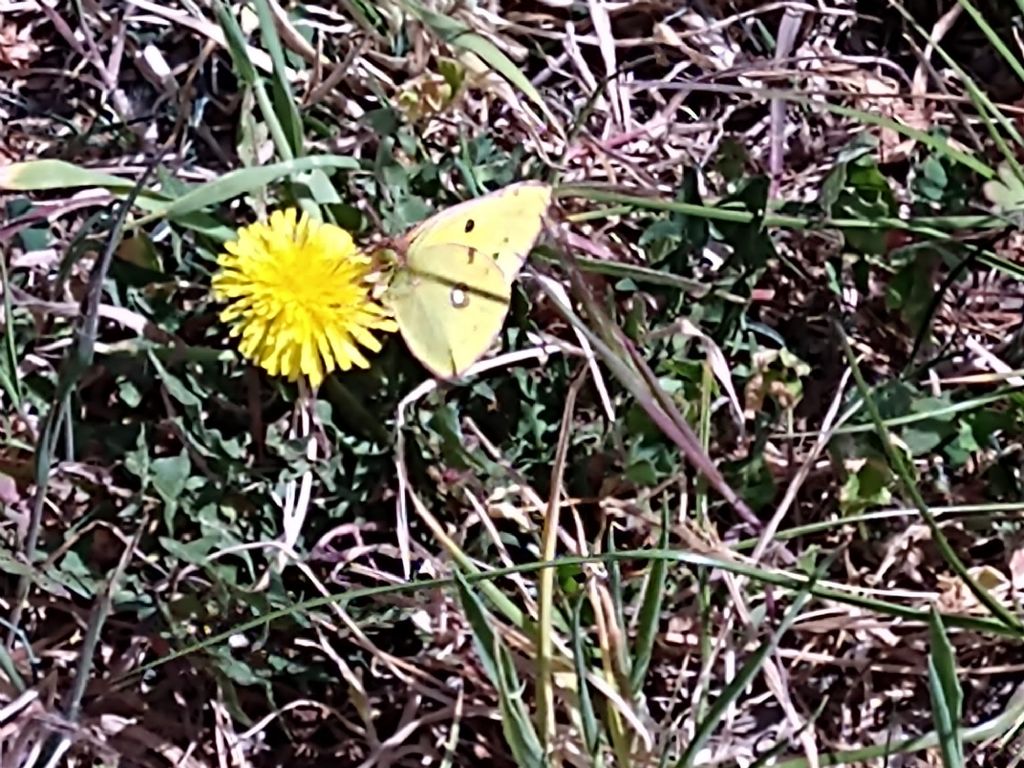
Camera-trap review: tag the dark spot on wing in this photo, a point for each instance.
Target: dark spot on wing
(470, 224)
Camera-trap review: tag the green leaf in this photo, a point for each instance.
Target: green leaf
(932, 180)
(196, 552)
(237, 671)
(10, 565)
(748, 239)
(923, 438)
(1007, 192)
(74, 574)
(865, 194)
(964, 445)
(169, 475)
(10, 374)
(911, 289)
(868, 487)
(175, 387)
(936, 407)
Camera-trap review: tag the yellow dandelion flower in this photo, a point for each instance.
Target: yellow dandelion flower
(298, 294)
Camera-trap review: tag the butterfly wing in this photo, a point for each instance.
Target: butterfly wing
(503, 225)
(450, 303)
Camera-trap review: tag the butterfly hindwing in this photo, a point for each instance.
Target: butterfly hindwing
(450, 303)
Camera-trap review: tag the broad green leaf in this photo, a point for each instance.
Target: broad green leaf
(169, 474)
(1006, 192)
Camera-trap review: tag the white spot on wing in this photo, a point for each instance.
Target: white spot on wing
(458, 297)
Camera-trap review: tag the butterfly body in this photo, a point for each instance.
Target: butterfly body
(451, 291)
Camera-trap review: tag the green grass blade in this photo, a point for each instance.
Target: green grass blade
(281, 93)
(10, 381)
(998, 727)
(616, 662)
(649, 620)
(989, 113)
(943, 413)
(41, 175)
(731, 693)
(7, 664)
(497, 661)
(236, 44)
(458, 35)
(898, 464)
(247, 73)
(246, 180)
(946, 694)
(937, 144)
(906, 614)
(48, 175)
(648, 393)
(75, 364)
(589, 722)
(994, 38)
(287, 116)
(615, 583)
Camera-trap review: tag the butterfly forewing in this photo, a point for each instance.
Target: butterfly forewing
(503, 225)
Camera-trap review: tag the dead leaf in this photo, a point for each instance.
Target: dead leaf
(1017, 568)
(17, 49)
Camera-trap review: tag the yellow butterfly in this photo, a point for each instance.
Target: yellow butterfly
(451, 290)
